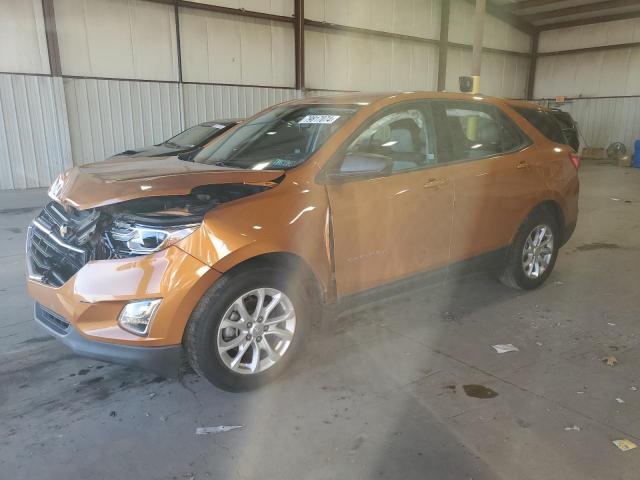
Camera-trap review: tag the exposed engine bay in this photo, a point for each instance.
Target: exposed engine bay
(61, 240)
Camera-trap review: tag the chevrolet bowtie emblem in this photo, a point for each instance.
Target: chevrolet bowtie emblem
(63, 230)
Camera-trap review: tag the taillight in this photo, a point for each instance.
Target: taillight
(575, 159)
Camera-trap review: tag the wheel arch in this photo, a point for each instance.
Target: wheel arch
(554, 208)
(293, 264)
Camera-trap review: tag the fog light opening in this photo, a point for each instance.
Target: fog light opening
(136, 316)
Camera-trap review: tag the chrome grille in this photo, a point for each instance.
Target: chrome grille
(57, 243)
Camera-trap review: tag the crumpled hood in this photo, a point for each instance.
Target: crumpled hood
(127, 178)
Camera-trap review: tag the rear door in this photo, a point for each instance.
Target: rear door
(495, 186)
(391, 203)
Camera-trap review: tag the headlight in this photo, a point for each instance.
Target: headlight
(142, 239)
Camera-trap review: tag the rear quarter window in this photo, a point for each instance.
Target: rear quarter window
(544, 122)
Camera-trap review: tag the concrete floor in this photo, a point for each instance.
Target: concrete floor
(379, 393)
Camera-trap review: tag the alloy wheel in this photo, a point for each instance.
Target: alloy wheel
(256, 330)
(537, 252)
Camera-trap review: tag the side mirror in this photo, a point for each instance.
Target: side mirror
(362, 165)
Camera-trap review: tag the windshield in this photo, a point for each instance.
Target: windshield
(281, 138)
(195, 135)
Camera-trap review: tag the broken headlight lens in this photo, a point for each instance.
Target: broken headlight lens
(142, 239)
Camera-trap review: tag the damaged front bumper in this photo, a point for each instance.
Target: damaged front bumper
(165, 361)
(83, 312)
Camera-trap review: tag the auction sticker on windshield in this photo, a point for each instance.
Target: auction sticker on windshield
(319, 119)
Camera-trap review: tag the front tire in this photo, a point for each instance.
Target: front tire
(533, 254)
(248, 327)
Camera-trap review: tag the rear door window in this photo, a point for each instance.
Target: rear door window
(473, 131)
(544, 122)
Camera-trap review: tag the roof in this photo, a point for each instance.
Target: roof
(372, 97)
(550, 14)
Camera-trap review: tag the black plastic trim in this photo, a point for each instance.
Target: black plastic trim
(165, 361)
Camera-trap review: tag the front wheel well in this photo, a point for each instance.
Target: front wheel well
(300, 272)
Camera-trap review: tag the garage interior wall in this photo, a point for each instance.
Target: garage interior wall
(602, 87)
(130, 74)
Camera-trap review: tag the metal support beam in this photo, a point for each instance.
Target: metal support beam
(178, 46)
(589, 21)
(52, 37)
(478, 33)
(514, 7)
(444, 45)
(231, 11)
(533, 62)
(298, 27)
(580, 9)
(499, 11)
(615, 46)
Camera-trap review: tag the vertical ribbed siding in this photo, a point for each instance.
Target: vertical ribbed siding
(34, 135)
(602, 121)
(109, 116)
(210, 102)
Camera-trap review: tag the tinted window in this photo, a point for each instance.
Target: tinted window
(402, 136)
(280, 138)
(475, 130)
(544, 122)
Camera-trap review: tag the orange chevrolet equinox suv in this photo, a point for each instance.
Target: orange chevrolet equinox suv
(230, 257)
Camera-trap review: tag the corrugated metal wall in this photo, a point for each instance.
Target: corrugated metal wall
(221, 48)
(208, 102)
(417, 18)
(352, 61)
(602, 121)
(34, 135)
(119, 87)
(109, 116)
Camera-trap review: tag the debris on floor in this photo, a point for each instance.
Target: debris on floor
(619, 400)
(479, 391)
(572, 427)
(633, 389)
(218, 429)
(624, 444)
(610, 360)
(504, 348)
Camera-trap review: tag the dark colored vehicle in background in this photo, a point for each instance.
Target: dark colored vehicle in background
(569, 127)
(186, 143)
(549, 123)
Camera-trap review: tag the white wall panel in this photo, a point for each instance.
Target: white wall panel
(502, 75)
(497, 33)
(109, 116)
(590, 74)
(352, 61)
(117, 39)
(34, 135)
(275, 7)
(598, 34)
(23, 46)
(602, 121)
(418, 18)
(221, 48)
(210, 102)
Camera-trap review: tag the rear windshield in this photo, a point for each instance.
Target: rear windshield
(281, 138)
(195, 135)
(544, 122)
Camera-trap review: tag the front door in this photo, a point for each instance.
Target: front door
(391, 204)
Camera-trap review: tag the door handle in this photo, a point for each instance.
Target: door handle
(435, 182)
(522, 165)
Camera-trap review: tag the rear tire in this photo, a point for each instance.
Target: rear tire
(225, 354)
(532, 256)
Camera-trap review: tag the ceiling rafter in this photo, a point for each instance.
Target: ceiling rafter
(580, 9)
